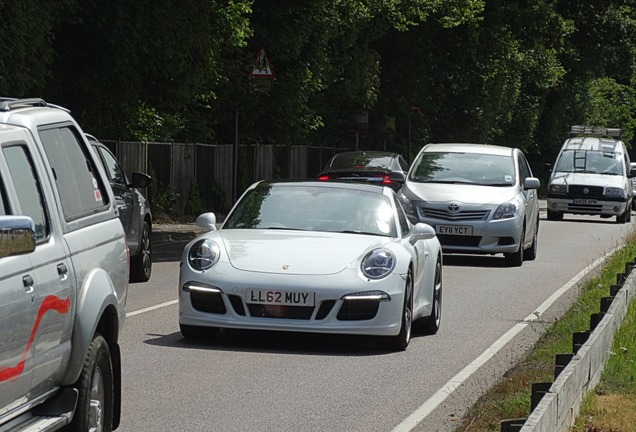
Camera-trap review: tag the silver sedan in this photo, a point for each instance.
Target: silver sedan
(480, 199)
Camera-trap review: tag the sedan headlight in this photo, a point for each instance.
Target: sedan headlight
(558, 188)
(204, 254)
(506, 211)
(614, 192)
(378, 264)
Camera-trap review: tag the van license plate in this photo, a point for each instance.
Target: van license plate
(461, 230)
(584, 201)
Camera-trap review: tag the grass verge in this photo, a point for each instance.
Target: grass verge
(511, 397)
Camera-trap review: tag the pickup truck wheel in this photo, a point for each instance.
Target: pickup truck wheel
(94, 411)
(141, 264)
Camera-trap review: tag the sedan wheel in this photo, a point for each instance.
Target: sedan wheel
(531, 253)
(401, 341)
(515, 259)
(141, 264)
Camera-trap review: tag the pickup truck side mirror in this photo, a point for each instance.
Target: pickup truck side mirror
(17, 235)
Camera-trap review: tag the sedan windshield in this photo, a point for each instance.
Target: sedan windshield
(464, 168)
(311, 208)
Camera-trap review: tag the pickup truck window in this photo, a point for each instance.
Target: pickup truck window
(76, 176)
(27, 186)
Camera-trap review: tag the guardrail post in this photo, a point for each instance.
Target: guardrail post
(605, 303)
(560, 362)
(614, 289)
(620, 278)
(595, 319)
(578, 339)
(538, 391)
(512, 425)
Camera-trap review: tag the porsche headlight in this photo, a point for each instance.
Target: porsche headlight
(558, 188)
(506, 211)
(378, 264)
(614, 192)
(204, 254)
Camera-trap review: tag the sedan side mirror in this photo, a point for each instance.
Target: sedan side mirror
(397, 176)
(140, 180)
(531, 183)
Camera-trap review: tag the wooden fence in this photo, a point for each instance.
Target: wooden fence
(175, 166)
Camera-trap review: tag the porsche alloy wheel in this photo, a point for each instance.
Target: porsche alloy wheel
(402, 339)
(430, 324)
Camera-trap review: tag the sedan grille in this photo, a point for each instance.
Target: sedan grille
(453, 240)
(462, 215)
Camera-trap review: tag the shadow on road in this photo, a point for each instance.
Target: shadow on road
(275, 342)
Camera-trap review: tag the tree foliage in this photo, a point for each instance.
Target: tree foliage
(509, 72)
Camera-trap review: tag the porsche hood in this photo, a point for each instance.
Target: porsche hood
(295, 252)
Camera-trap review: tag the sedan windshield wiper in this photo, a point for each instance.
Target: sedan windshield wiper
(361, 232)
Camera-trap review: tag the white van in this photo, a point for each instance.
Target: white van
(591, 176)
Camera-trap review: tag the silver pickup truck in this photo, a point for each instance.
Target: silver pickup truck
(64, 269)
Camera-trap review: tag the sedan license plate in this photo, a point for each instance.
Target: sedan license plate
(283, 298)
(584, 201)
(461, 230)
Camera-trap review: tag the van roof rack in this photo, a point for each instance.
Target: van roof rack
(595, 131)
(7, 104)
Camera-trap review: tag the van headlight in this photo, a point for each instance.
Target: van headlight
(558, 188)
(506, 211)
(614, 192)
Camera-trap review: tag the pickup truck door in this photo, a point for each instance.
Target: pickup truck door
(52, 284)
(16, 325)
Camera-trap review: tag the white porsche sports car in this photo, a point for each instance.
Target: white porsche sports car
(312, 256)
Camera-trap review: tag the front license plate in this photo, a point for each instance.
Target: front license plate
(462, 230)
(283, 298)
(584, 201)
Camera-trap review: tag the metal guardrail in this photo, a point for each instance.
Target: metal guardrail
(556, 405)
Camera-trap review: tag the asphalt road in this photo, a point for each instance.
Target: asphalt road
(265, 381)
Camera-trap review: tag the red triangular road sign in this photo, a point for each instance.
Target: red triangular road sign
(262, 66)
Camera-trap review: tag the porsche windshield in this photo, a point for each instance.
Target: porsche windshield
(312, 208)
(464, 168)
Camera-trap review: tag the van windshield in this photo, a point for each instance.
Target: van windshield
(592, 162)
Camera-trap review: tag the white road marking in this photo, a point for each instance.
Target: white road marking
(409, 423)
(151, 308)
